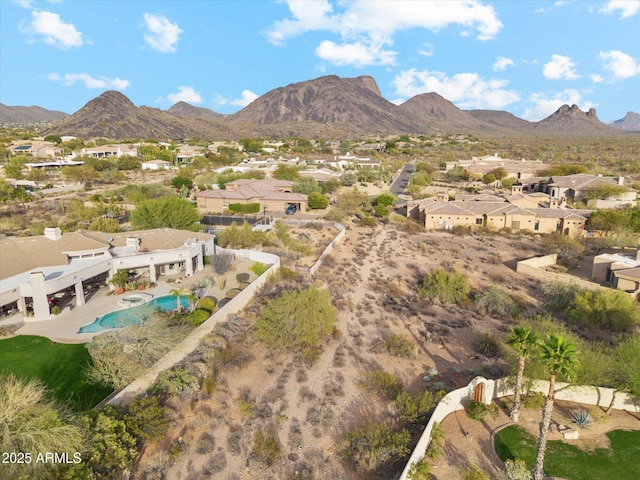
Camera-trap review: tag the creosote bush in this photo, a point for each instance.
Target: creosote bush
(382, 383)
(374, 444)
(266, 446)
(446, 286)
(400, 346)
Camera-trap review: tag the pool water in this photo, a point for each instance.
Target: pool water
(133, 315)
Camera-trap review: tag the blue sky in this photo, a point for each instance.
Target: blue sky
(526, 57)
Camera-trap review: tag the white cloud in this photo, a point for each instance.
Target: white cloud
(560, 68)
(161, 35)
(620, 64)
(355, 54)
(365, 27)
(502, 63)
(427, 50)
(627, 8)
(247, 97)
(69, 79)
(466, 90)
(597, 78)
(55, 32)
(185, 94)
(23, 3)
(544, 105)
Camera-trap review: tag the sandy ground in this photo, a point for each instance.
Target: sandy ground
(373, 277)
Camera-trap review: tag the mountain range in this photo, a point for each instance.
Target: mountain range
(327, 107)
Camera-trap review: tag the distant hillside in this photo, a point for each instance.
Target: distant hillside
(352, 105)
(28, 115)
(502, 120)
(438, 115)
(570, 120)
(186, 110)
(113, 115)
(630, 122)
(328, 107)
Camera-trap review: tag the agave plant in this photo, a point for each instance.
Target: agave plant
(582, 418)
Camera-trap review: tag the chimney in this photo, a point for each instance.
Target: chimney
(132, 242)
(553, 203)
(53, 233)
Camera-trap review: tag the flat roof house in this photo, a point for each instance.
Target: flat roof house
(272, 195)
(32, 269)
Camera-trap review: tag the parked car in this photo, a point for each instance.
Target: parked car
(291, 209)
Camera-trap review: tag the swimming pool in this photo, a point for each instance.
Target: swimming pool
(133, 315)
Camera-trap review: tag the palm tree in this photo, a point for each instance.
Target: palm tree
(179, 292)
(559, 358)
(523, 339)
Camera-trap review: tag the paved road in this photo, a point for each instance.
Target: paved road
(402, 181)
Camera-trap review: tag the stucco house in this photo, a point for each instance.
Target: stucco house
(36, 148)
(495, 215)
(34, 269)
(272, 195)
(622, 272)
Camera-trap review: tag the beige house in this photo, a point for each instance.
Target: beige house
(272, 195)
(495, 215)
(37, 148)
(622, 272)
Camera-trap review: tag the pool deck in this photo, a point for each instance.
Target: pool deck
(63, 328)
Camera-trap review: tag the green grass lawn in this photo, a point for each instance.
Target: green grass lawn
(59, 366)
(620, 462)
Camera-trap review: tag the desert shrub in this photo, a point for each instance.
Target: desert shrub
(198, 317)
(221, 262)
(488, 345)
(146, 419)
(174, 381)
(373, 444)
(266, 446)
(400, 346)
(569, 249)
(435, 450)
(259, 268)
(473, 473)
(55, 310)
(534, 400)
(411, 408)
(216, 464)
(382, 383)
(368, 221)
(605, 309)
(419, 471)
(517, 469)
(296, 319)
(447, 286)
(495, 301)
(558, 295)
(479, 410)
(207, 303)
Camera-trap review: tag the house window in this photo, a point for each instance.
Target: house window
(515, 225)
(536, 226)
(558, 225)
(478, 221)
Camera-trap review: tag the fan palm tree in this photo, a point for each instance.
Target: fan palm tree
(560, 358)
(523, 339)
(179, 292)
